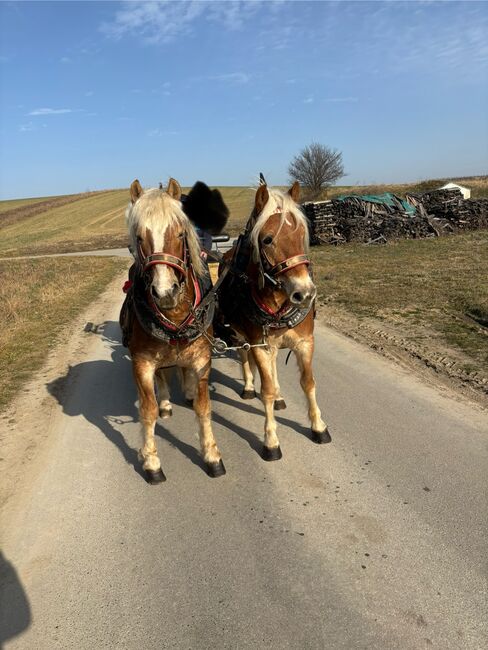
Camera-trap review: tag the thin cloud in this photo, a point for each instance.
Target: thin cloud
(231, 77)
(163, 22)
(65, 59)
(159, 133)
(30, 126)
(308, 100)
(339, 100)
(52, 111)
(89, 93)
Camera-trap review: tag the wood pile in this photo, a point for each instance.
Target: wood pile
(353, 219)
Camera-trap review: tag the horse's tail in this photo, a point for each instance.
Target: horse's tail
(206, 208)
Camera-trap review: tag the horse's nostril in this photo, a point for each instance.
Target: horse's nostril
(154, 292)
(297, 296)
(176, 286)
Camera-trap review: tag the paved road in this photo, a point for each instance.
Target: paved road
(106, 252)
(377, 540)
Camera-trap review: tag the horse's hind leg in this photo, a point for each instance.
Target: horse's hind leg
(148, 412)
(163, 380)
(264, 362)
(304, 354)
(189, 382)
(201, 404)
(280, 403)
(248, 367)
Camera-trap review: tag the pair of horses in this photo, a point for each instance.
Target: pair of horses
(265, 297)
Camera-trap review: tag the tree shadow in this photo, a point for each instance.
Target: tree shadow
(15, 612)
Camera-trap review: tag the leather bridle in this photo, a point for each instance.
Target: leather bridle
(148, 261)
(270, 271)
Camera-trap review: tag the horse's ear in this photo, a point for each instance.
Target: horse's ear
(262, 196)
(174, 189)
(294, 191)
(135, 191)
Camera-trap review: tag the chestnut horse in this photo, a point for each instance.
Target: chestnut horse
(164, 320)
(268, 300)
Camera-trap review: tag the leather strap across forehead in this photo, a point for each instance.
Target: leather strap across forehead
(164, 258)
(174, 262)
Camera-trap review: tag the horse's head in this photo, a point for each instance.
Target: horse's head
(163, 240)
(279, 237)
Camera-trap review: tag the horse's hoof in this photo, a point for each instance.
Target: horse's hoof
(271, 453)
(154, 477)
(279, 405)
(248, 394)
(188, 401)
(214, 470)
(321, 437)
(166, 412)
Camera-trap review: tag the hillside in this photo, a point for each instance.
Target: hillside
(96, 219)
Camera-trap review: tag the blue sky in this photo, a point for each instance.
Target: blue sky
(94, 94)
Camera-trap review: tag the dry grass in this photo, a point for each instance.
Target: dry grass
(95, 221)
(14, 204)
(38, 298)
(431, 292)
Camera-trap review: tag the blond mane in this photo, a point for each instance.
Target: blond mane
(157, 210)
(279, 202)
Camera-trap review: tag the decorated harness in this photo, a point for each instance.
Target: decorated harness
(152, 320)
(242, 295)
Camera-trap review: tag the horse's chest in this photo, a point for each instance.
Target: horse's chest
(286, 340)
(184, 356)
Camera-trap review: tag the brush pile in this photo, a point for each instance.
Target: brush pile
(354, 219)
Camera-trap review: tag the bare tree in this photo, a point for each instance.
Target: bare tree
(316, 167)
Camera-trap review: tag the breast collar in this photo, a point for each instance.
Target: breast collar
(152, 319)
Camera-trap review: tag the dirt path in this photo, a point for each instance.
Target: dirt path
(376, 540)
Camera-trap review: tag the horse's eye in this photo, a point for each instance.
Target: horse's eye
(180, 235)
(267, 240)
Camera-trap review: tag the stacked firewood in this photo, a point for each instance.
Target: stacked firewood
(353, 219)
(451, 212)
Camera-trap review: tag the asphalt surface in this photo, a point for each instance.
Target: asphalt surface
(377, 540)
(107, 252)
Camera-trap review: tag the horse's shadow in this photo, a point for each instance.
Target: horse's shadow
(87, 390)
(253, 408)
(103, 392)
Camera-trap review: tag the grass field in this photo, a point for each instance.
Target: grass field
(97, 220)
(429, 293)
(38, 298)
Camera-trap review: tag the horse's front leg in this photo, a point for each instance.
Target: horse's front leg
(304, 354)
(144, 371)
(201, 405)
(163, 380)
(264, 362)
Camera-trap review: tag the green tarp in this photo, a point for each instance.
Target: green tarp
(389, 199)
